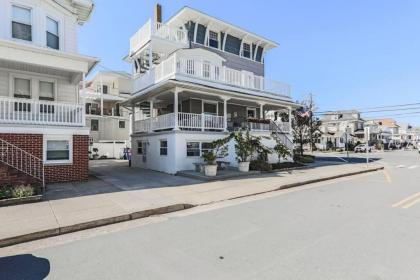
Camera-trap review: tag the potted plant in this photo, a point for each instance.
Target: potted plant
(243, 149)
(218, 150)
(95, 155)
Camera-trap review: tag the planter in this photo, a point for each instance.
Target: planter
(20, 200)
(243, 166)
(210, 170)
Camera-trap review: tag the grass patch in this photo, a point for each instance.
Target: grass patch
(286, 165)
(304, 158)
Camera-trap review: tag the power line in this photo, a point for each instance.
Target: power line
(370, 108)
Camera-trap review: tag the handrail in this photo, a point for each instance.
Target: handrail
(281, 136)
(21, 160)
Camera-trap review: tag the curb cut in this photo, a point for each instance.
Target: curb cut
(151, 212)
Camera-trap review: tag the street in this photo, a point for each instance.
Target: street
(359, 227)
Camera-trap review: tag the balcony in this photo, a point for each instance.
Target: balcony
(211, 74)
(157, 30)
(27, 111)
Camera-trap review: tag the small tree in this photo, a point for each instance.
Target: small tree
(218, 150)
(282, 151)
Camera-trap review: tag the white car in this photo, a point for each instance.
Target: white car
(362, 148)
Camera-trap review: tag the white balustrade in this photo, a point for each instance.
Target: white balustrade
(204, 70)
(28, 111)
(185, 121)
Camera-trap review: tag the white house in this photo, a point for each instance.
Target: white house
(42, 119)
(196, 78)
(339, 126)
(109, 122)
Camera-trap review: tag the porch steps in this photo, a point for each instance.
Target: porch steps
(10, 176)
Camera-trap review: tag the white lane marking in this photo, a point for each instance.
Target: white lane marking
(413, 167)
(400, 166)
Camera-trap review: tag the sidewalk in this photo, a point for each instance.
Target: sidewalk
(27, 222)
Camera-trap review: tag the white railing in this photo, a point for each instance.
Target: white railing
(253, 126)
(207, 71)
(185, 121)
(28, 111)
(162, 31)
(21, 160)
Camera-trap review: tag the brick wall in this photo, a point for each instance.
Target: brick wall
(77, 171)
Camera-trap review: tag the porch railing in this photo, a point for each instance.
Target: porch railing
(162, 31)
(27, 111)
(208, 71)
(185, 121)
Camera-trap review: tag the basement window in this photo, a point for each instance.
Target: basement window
(58, 149)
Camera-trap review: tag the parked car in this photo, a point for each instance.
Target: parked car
(362, 148)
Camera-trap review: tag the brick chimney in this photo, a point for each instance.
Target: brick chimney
(158, 13)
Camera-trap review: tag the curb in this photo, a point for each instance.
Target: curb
(151, 212)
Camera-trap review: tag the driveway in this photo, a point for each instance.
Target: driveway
(114, 176)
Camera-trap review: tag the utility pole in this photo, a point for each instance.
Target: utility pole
(310, 121)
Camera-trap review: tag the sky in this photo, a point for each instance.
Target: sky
(349, 54)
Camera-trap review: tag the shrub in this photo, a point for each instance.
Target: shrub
(260, 165)
(17, 191)
(282, 151)
(304, 158)
(284, 165)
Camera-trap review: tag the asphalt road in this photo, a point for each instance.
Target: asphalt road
(362, 227)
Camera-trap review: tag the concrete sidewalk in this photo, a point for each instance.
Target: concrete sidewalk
(27, 222)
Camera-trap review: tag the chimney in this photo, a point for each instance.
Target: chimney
(158, 13)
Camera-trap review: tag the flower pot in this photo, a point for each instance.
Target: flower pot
(243, 166)
(210, 170)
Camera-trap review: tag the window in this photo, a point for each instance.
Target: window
(21, 23)
(105, 89)
(193, 149)
(94, 125)
(246, 50)
(163, 147)
(210, 108)
(139, 147)
(46, 91)
(53, 40)
(58, 150)
(206, 147)
(206, 69)
(121, 124)
(22, 88)
(213, 39)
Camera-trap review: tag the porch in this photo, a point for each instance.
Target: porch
(193, 111)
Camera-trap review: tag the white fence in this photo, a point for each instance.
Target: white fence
(27, 111)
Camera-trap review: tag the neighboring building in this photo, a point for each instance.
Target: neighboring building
(339, 126)
(42, 119)
(195, 79)
(388, 133)
(109, 122)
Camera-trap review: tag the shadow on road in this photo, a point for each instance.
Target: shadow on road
(24, 267)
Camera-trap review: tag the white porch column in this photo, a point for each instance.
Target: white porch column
(151, 108)
(133, 119)
(176, 109)
(262, 110)
(225, 113)
(150, 57)
(290, 119)
(83, 99)
(102, 99)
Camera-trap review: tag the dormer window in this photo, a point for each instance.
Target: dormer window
(213, 39)
(53, 40)
(21, 23)
(246, 50)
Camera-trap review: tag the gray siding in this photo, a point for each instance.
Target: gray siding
(236, 62)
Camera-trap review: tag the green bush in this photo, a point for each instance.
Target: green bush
(284, 165)
(304, 158)
(260, 165)
(17, 191)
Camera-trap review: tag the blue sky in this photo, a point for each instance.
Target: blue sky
(349, 54)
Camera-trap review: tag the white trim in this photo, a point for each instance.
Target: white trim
(31, 129)
(68, 138)
(31, 10)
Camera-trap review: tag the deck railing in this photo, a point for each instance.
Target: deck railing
(189, 121)
(162, 31)
(211, 72)
(28, 111)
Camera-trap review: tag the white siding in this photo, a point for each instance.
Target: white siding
(4, 83)
(40, 11)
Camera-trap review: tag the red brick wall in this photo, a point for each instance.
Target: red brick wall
(77, 171)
